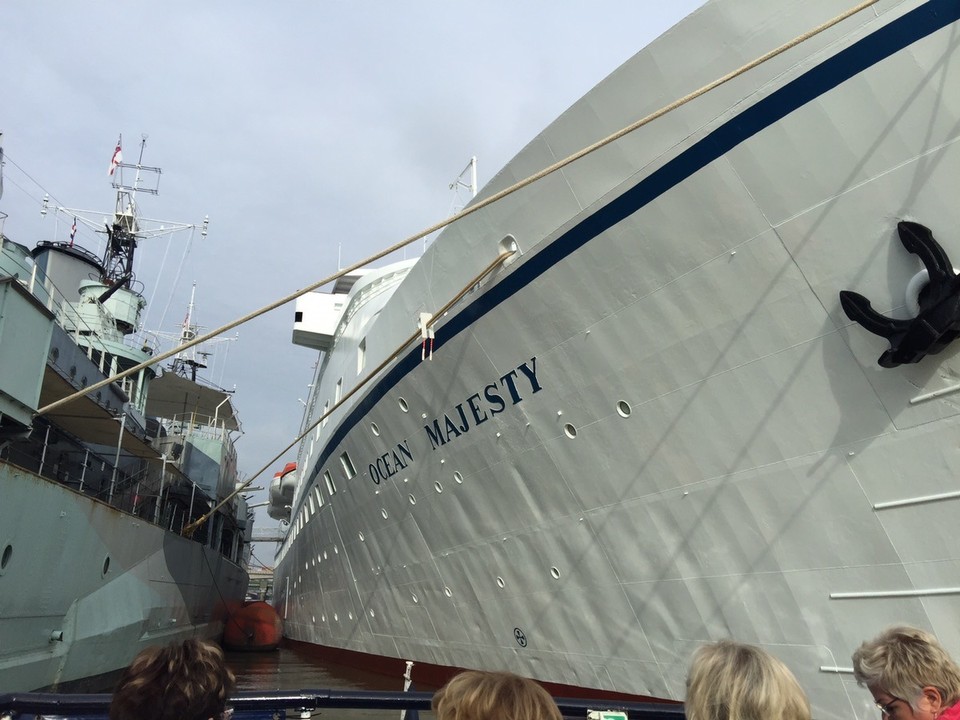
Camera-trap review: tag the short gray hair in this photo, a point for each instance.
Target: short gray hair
(902, 660)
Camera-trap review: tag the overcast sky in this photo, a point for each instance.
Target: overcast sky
(302, 129)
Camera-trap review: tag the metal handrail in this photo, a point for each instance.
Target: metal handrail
(13, 705)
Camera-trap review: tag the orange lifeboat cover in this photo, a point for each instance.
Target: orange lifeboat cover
(254, 626)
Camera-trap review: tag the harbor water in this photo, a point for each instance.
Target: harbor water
(290, 669)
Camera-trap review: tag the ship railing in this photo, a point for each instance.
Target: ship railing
(42, 287)
(280, 704)
(366, 294)
(197, 424)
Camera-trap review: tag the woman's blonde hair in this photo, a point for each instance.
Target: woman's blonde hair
(732, 681)
(182, 681)
(476, 695)
(903, 660)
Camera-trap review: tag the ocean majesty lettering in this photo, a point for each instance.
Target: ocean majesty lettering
(390, 463)
(494, 398)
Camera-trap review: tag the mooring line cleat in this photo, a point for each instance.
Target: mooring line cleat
(936, 325)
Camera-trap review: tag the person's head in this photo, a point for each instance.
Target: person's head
(476, 695)
(732, 681)
(908, 673)
(182, 681)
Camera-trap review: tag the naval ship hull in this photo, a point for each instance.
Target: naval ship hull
(100, 489)
(655, 425)
(84, 587)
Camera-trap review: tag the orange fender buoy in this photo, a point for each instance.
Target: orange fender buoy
(253, 626)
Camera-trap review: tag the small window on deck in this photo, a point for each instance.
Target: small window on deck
(331, 488)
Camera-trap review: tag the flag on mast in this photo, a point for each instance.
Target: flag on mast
(73, 231)
(117, 157)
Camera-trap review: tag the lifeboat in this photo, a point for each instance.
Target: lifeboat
(281, 492)
(255, 625)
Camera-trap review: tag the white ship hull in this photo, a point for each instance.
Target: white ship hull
(656, 427)
(85, 587)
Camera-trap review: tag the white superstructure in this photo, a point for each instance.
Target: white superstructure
(654, 425)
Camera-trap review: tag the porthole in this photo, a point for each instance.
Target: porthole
(73, 371)
(438, 487)
(5, 558)
(318, 559)
(336, 550)
(412, 499)
(624, 409)
(555, 573)
(447, 591)
(323, 618)
(375, 429)
(336, 617)
(415, 599)
(350, 615)
(570, 431)
(83, 381)
(458, 477)
(55, 354)
(372, 613)
(324, 554)
(500, 582)
(106, 566)
(360, 535)
(403, 405)
(383, 513)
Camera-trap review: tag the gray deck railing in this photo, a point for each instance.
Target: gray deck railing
(250, 704)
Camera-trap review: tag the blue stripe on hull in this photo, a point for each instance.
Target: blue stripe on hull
(849, 62)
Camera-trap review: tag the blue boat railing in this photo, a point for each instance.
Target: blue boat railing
(277, 705)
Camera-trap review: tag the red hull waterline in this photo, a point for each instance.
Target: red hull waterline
(427, 676)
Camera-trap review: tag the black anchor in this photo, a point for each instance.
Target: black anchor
(938, 322)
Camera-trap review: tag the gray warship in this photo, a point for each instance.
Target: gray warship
(95, 493)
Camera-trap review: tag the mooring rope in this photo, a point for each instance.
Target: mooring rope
(192, 527)
(470, 209)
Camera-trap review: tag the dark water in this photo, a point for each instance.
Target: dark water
(289, 669)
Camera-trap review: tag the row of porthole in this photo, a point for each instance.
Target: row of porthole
(458, 478)
(501, 583)
(307, 564)
(623, 410)
(8, 553)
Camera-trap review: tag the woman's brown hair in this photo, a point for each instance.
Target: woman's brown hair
(184, 681)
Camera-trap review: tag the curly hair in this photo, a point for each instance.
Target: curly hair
(903, 660)
(182, 681)
(733, 681)
(476, 695)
